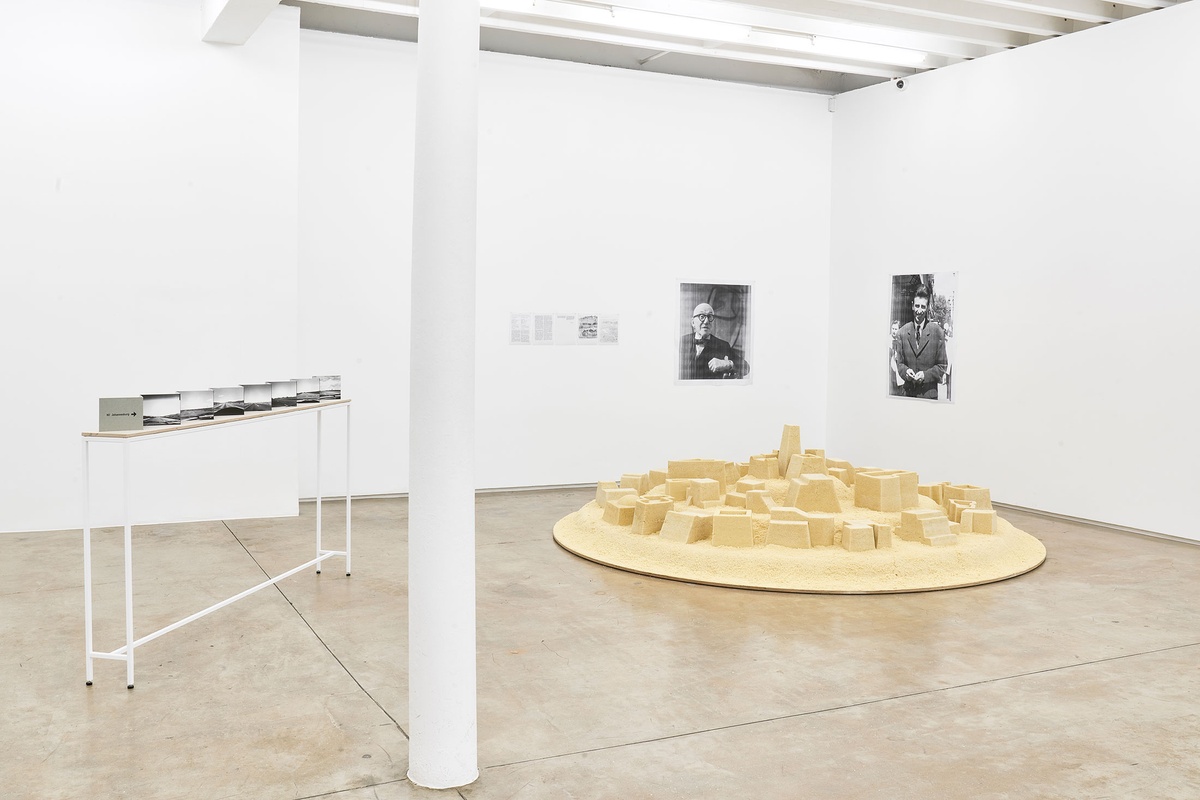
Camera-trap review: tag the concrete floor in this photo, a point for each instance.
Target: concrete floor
(1079, 680)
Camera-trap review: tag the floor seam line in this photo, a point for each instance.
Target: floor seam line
(308, 625)
(336, 792)
(842, 707)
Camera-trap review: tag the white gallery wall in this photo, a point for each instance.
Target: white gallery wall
(357, 97)
(149, 244)
(600, 189)
(179, 215)
(1060, 182)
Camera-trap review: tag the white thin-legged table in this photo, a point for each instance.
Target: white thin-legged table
(125, 439)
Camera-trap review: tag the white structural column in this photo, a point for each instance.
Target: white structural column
(443, 750)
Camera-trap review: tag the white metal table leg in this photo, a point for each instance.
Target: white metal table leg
(347, 490)
(320, 416)
(87, 566)
(128, 568)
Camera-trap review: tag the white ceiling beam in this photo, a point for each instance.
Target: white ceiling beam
(1096, 11)
(233, 21)
(575, 29)
(639, 23)
(404, 9)
(841, 21)
(660, 45)
(990, 16)
(1151, 4)
(939, 46)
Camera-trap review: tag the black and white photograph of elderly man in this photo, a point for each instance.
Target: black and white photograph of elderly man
(714, 331)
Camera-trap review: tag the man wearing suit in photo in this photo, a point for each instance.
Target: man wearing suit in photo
(921, 357)
(703, 355)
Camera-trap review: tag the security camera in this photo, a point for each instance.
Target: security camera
(900, 84)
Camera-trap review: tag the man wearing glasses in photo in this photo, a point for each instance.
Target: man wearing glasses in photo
(704, 356)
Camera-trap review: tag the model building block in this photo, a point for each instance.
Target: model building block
(710, 468)
(886, 489)
(658, 477)
(677, 488)
(841, 474)
(788, 533)
(749, 484)
(733, 528)
(981, 496)
(877, 490)
(701, 489)
(806, 464)
(821, 528)
(913, 523)
(600, 487)
(909, 480)
(759, 501)
(743, 468)
(979, 520)
(858, 536)
(927, 526)
(789, 445)
(620, 511)
(813, 493)
(815, 451)
(931, 490)
(613, 495)
(631, 480)
(765, 467)
(735, 499)
(686, 526)
(955, 508)
(832, 463)
(883, 535)
(649, 513)
(732, 473)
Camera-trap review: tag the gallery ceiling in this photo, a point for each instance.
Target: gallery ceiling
(827, 46)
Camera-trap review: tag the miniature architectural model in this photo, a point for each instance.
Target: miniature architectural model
(686, 526)
(732, 528)
(650, 512)
(795, 520)
(885, 490)
(813, 493)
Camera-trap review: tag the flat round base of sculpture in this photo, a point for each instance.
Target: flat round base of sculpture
(904, 567)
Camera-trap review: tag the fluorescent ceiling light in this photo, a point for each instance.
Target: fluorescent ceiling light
(640, 21)
(685, 27)
(864, 51)
(552, 9)
(511, 6)
(634, 20)
(837, 48)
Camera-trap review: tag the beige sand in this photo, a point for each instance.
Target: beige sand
(903, 567)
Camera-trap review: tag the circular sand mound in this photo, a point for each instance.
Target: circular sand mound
(905, 566)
